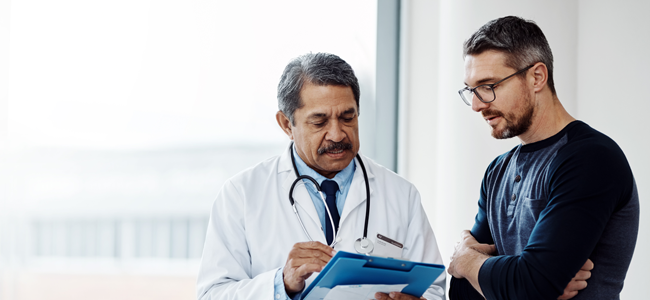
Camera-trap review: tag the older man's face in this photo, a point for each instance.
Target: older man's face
(326, 130)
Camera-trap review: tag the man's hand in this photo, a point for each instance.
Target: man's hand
(465, 252)
(468, 258)
(304, 259)
(395, 296)
(579, 282)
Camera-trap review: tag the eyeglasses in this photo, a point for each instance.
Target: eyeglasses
(485, 92)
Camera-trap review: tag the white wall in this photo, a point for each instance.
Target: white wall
(599, 49)
(4, 174)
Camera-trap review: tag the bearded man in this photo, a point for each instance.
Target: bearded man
(558, 215)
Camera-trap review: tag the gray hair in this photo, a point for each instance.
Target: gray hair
(522, 41)
(318, 69)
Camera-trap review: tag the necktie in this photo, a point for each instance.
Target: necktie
(329, 187)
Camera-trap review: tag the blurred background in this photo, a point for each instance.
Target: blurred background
(120, 120)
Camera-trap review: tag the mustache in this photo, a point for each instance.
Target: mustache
(490, 112)
(335, 146)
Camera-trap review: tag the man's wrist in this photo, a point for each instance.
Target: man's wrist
(472, 262)
(280, 288)
(470, 267)
(291, 294)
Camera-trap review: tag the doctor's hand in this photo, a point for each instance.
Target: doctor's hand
(395, 296)
(579, 282)
(304, 259)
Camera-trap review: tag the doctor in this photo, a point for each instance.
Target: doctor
(257, 247)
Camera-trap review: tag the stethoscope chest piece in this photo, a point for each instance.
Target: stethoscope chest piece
(363, 246)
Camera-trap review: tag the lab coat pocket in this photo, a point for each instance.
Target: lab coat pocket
(385, 246)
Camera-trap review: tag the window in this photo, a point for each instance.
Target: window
(124, 120)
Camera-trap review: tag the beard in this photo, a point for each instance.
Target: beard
(517, 123)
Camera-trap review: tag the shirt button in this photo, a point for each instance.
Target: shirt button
(514, 197)
(277, 296)
(518, 178)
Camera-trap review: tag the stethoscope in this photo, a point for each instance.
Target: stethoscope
(361, 245)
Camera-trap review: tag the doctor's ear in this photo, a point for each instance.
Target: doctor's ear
(284, 123)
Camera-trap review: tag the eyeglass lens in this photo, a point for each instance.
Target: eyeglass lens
(485, 93)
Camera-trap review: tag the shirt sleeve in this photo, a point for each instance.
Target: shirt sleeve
(280, 292)
(587, 183)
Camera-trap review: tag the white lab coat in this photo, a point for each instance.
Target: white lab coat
(253, 227)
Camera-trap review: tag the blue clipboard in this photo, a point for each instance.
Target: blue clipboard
(347, 268)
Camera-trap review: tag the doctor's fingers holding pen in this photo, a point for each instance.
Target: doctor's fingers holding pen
(304, 259)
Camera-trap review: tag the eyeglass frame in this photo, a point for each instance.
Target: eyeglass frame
(491, 85)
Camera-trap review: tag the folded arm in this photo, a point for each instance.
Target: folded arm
(583, 195)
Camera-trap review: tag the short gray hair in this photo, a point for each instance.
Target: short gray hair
(318, 69)
(522, 41)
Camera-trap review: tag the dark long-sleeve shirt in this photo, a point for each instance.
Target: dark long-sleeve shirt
(548, 207)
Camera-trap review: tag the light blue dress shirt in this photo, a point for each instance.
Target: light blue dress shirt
(343, 179)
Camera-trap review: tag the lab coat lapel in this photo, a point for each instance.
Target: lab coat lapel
(304, 204)
(357, 192)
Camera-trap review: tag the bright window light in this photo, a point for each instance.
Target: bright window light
(124, 118)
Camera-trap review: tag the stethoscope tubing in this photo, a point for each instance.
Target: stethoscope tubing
(322, 197)
(299, 179)
(365, 178)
